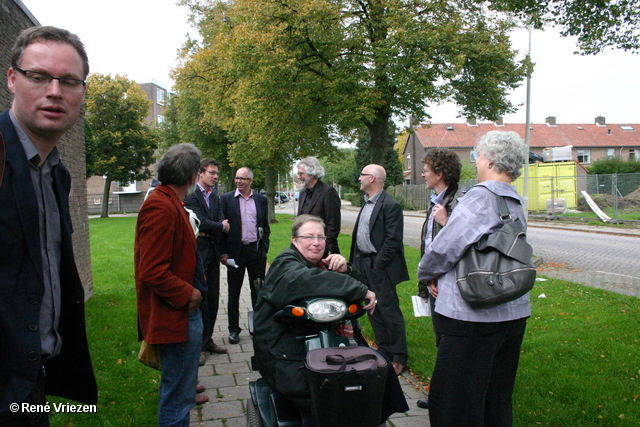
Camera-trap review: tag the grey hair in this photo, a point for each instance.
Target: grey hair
(44, 34)
(302, 220)
(178, 165)
(506, 150)
(312, 167)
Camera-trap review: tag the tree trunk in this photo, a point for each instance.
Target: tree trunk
(379, 133)
(270, 187)
(105, 198)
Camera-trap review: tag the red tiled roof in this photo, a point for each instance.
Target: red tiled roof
(461, 135)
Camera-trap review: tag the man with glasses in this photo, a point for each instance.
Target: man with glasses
(377, 252)
(205, 203)
(246, 244)
(43, 343)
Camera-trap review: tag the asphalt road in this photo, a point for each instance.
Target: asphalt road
(590, 258)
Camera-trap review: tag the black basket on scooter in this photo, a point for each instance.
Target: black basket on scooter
(347, 386)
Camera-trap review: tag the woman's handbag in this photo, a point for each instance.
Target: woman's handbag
(149, 354)
(498, 268)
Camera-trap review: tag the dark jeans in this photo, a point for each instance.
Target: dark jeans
(387, 320)
(25, 418)
(249, 260)
(475, 373)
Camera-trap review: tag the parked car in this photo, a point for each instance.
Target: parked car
(282, 196)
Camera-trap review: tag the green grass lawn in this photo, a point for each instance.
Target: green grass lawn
(580, 363)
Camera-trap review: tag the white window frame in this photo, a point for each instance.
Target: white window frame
(128, 188)
(611, 153)
(160, 94)
(583, 155)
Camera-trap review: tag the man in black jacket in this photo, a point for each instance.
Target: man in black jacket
(377, 252)
(246, 243)
(205, 203)
(320, 199)
(43, 343)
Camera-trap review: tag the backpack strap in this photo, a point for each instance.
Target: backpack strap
(505, 216)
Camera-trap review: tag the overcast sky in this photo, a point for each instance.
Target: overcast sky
(140, 39)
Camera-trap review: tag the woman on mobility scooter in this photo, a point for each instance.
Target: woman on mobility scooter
(302, 271)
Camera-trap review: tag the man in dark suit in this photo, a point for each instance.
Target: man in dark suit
(43, 343)
(246, 244)
(377, 252)
(206, 205)
(320, 199)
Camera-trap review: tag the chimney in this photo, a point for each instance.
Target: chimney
(601, 121)
(550, 121)
(471, 121)
(499, 122)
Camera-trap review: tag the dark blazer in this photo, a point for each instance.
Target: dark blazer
(386, 230)
(231, 242)
(211, 218)
(325, 203)
(69, 374)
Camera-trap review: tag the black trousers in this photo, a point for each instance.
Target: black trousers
(475, 372)
(22, 418)
(387, 320)
(249, 259)
(211, 302)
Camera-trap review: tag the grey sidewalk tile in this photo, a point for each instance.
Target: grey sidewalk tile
(222, 410)
(218, 381)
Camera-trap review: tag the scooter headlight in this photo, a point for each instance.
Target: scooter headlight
(326, 310)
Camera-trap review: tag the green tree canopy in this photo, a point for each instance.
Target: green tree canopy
(120, 144)
(598, 24)
(286, 78)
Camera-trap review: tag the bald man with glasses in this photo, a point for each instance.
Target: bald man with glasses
(246, 243)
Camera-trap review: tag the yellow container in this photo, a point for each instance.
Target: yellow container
(549, 181)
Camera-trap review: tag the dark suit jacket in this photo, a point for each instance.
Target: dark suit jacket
(211, 218)
(386, 230)
(69, 374)
(165, 264)
(325, 203)
(231, 242)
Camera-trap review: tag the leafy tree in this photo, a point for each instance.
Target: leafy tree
(598, 24)
(341, 169)
(120, 144)
(614, 165)
(285, 77)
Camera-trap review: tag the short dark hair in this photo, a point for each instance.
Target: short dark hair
(302, 220)
(178, 165)
(40, 34)
(445, 161)
(204, 164)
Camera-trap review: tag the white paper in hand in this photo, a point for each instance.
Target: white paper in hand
(420, 308)
(232, 262)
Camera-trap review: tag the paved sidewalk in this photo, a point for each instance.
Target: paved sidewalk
(227, 376)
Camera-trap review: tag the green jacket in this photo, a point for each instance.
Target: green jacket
(278, 353)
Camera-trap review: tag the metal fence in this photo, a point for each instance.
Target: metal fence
(615, 191)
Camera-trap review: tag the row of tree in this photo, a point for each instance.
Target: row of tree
(271, 81)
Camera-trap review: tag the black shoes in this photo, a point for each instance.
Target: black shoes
(423, 403)
(234, 337)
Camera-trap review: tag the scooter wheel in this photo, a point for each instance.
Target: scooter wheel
(253, 415)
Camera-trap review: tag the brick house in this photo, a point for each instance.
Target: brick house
(15, 17)
(128, 196)
(589, 142)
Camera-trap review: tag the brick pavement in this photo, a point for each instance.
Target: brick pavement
(226, 377)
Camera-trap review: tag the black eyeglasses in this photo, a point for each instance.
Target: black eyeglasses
(366, 174)
(43, 80)
(241, 178)
(212, 172)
